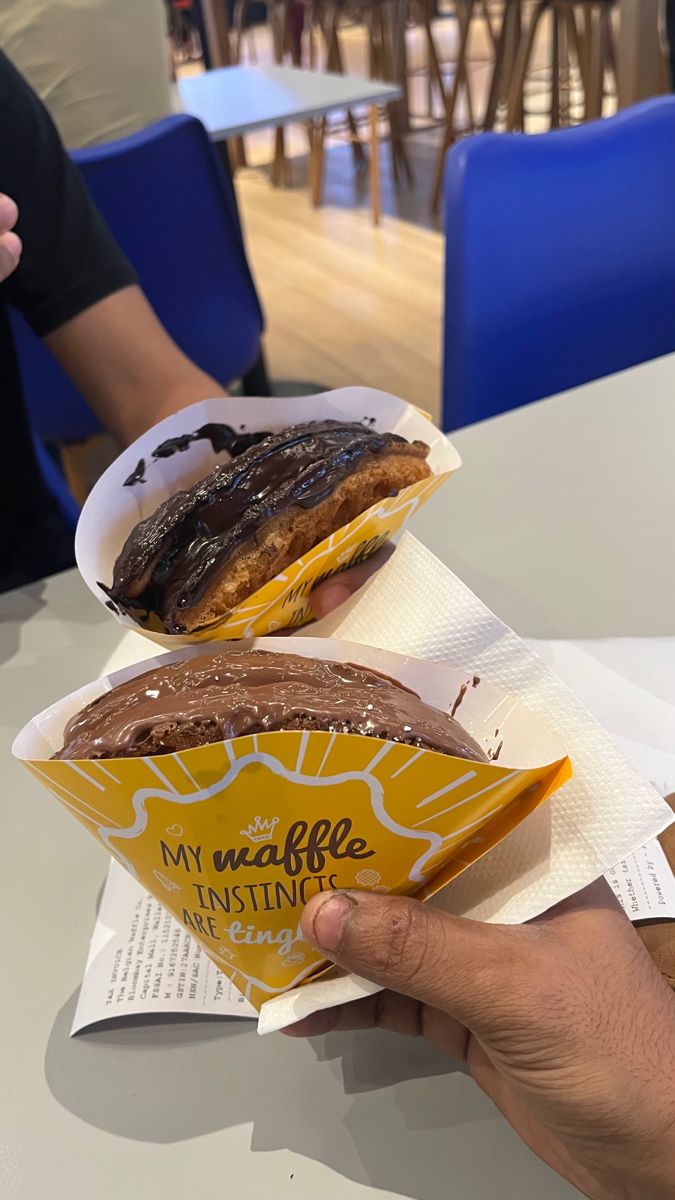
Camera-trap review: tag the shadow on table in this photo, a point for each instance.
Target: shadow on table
(15, 608)
(365, 1104)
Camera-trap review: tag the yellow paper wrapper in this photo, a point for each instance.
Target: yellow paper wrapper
(233, 838)
(138, 481)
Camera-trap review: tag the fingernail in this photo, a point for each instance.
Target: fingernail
(328, 599)
(327, 921)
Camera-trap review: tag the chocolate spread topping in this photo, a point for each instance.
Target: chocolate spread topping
(168, 560)
(214, 698)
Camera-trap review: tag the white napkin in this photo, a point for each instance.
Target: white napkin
(415, 605)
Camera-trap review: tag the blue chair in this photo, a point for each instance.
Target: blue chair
(560, 259)
(171, 208)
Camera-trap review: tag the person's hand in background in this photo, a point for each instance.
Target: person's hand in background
(565, 1023)
(339, 588)
(10, 242)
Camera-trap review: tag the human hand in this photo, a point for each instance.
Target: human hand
(10, 242)
(339, 588)
(565, 1023)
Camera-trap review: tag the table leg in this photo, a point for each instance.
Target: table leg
(317, 136)
(278, 175)
(374, 165)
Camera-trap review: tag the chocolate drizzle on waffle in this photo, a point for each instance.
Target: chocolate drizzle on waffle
(170, 559)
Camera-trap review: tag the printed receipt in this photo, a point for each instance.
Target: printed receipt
(142, 962)
(644, 884)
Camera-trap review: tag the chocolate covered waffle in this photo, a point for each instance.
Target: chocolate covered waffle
(221, 696)
(207, 549)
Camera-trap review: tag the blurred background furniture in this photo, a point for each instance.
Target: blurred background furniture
(556, 273)
(237, 100)
(581, 43)
(171, 208)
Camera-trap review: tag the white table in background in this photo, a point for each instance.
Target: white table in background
(562, 519)
(234, 101)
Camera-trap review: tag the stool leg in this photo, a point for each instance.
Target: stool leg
(555, 70)
(374, 166)
(464, 10)
(523, 56)
(576, 45)
(596, 68)
(500, 67)
(435, 73)
(449, 133)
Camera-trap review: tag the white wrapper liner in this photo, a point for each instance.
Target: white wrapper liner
(416, 606)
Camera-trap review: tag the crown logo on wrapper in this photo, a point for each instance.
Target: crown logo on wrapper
(260, 830)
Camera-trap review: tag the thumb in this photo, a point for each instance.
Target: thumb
(459, 966)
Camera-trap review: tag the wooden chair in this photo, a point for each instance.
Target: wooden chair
(581, 37)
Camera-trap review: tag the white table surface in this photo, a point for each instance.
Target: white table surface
(233, 101)
(562, 518)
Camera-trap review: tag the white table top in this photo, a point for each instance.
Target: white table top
(564, 515)
(232, 101)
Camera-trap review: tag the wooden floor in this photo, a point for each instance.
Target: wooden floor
(345, 303)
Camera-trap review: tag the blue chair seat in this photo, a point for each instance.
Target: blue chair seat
(560, 259)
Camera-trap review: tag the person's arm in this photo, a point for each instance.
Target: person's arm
(126, 366)
(565, 1023)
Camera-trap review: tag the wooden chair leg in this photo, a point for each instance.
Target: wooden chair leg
(494, 94)
(610, 48)
(435, 73)
(596, 68)
(555, 70)
(485, 12)
(577, 47)
(449, 133)
(238, 19)
(465, 13)
(374, 166)
(523, 56)
(395, 110)
(504, 63)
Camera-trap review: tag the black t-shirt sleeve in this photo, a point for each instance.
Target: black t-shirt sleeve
(69, 259)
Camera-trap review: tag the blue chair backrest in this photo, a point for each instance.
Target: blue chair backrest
(560, 259)
(171, 208)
